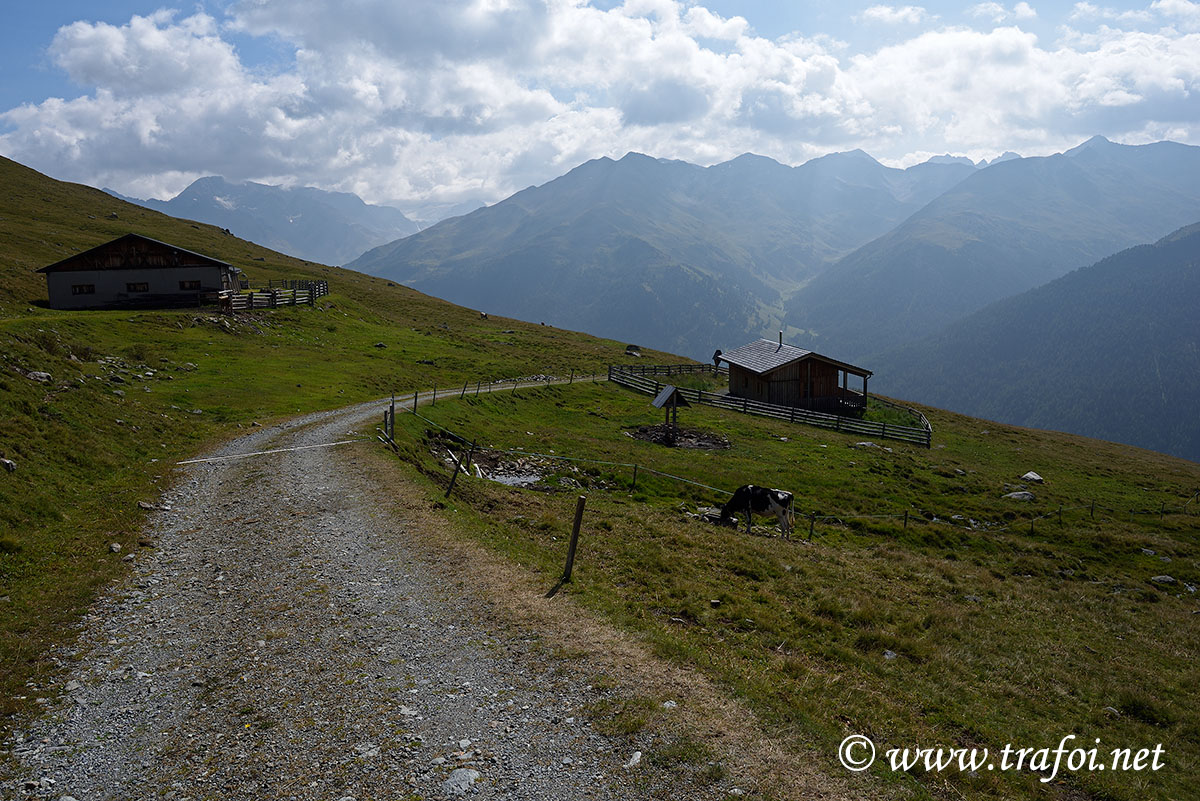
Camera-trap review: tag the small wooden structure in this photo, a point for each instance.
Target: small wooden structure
(137, 271)
(670, 399)
(782, 374)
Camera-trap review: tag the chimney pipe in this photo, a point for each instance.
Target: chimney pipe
(781, 339)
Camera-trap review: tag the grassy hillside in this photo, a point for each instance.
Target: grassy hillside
(983, 621)
(131, 392)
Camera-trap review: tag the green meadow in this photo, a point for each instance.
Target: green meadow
(964, 628)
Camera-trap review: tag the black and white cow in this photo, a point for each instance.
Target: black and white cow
(763, 501)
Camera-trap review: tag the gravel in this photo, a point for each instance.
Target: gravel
(283, 639)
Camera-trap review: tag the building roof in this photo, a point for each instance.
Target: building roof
(90, 259)
(765, 355)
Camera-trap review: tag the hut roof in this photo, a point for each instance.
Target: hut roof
(87, 260)
(765, 355)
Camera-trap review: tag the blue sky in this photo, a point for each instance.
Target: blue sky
(446, 100)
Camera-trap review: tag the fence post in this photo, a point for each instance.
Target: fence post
(812, 522)
(572, 381)
(566, 576)
(1092, 511)
(416, 392)
(454, 478)
(463, 394)
(906, 518)
(392, 417)
(434, 401)
(635, 476)
(579, 504)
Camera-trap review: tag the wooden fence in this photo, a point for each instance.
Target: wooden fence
(278, 293)
(319, 288)
(642, 378)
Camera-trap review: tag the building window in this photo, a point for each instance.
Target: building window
(189, 284)
(83, 289)
(140, 286)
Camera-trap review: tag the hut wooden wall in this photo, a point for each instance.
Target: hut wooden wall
(803, 384)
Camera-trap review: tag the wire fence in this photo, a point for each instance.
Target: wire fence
(906, 517)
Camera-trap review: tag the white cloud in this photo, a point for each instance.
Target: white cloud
(446, 99)
(1184, 12)
(702, 22)
(150, 55)
(1083, 11)
(891, 15)
(994, 11)
(997, 13)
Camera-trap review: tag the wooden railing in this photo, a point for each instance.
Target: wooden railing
(636, 378)
(279, 293)
(318, 288)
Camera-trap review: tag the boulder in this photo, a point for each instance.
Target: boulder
(1032, 478)
(38, 375)
(8, 465)
(460, 781)
(1021, 495)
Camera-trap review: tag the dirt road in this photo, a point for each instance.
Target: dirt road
(287, 637)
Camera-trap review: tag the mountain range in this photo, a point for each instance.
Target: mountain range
(1010, 227)
(857, 261)
(1111, 351)
(309, 223)
(660, 252)
(848, 256)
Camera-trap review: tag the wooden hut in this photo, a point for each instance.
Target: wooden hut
(135, 270)
(782, 374)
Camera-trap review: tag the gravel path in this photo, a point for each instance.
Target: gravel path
(285, 639)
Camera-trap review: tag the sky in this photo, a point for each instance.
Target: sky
(443, 101)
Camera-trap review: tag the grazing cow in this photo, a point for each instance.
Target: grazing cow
(762, 500)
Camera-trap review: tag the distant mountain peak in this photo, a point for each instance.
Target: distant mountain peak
(1097, 142)
(1007, 155)
(337, 227)
(857, 154)
(948, 159)
(752, 158)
